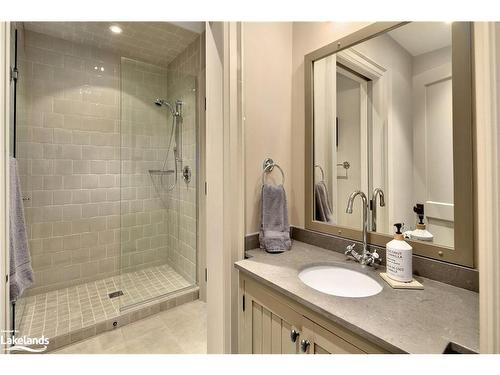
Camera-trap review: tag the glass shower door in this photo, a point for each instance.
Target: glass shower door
(153, 196)
(22, 309)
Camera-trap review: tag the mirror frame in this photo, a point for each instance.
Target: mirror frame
(463, 179)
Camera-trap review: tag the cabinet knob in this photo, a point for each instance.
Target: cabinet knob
(293, 335)
(304, 345)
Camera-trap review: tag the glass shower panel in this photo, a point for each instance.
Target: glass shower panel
(182, 85)
(152, 198)
(26, 152)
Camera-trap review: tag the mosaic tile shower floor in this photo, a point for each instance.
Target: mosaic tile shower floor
(66, 310)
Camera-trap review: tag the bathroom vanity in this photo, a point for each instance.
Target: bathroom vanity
(278, 313)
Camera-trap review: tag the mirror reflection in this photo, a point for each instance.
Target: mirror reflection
(383, 124)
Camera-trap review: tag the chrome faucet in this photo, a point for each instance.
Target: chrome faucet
(365, 258)
(373, 206)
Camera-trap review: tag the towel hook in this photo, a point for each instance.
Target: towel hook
(322, 171)
(268, 166)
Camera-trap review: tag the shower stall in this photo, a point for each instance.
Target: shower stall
(107, 145)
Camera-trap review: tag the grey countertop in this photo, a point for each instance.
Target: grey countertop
(410, 321)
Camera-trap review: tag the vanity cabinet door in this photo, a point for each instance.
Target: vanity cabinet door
(270, 323)
(318, 340)
(268, 326)
(271, 334)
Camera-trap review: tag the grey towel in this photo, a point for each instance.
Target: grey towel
(274, 236)
(323, 205)
(21, 273)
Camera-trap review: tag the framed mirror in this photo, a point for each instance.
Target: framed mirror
(389, 112)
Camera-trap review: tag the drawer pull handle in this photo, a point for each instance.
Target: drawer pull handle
(304, 345)
(293, 335)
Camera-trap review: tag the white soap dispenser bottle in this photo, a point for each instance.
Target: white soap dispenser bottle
(420, 233)
(399, 258)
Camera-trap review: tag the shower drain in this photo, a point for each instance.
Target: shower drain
(118, 293)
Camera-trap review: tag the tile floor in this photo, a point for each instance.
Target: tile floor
(66, 310)
(180, 330)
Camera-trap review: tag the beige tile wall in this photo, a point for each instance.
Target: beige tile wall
(69, 153)
(182, 81)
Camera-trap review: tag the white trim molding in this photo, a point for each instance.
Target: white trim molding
(360, 63)
(487, 88)
(225, 183)
(4, 175)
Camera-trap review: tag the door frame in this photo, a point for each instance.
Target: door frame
(363, 120)
(225, 183)
(487, 168)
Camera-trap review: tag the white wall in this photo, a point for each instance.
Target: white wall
(267, 92)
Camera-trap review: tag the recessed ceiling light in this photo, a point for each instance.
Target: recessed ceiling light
(115, 29)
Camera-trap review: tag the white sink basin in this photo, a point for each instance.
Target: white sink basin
(339, 281)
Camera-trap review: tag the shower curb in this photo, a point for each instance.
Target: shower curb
(126, 317)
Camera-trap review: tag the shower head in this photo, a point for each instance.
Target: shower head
(178, 106)
(159, 102)
(162, 102)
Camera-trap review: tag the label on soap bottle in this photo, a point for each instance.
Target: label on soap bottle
(399, 261)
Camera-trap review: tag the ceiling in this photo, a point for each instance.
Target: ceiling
(422, 37)
(154, 42)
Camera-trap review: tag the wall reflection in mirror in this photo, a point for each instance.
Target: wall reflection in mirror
(383, 125)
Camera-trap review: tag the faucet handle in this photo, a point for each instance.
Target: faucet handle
(349, 249)
(375, 258)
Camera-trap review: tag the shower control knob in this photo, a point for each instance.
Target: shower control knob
(304, 345)
(186, 174)
(293, 335)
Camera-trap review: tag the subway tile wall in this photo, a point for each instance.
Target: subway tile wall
(68, 148)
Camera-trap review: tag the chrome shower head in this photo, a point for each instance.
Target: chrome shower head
(162, 102)
(159, 102)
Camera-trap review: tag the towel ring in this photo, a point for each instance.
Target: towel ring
(322, 171)
(268, 166)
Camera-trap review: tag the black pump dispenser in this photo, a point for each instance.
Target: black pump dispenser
(398, 228)
(419, 210)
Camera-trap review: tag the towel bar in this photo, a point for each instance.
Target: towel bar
(322, 171)
(268, 166)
